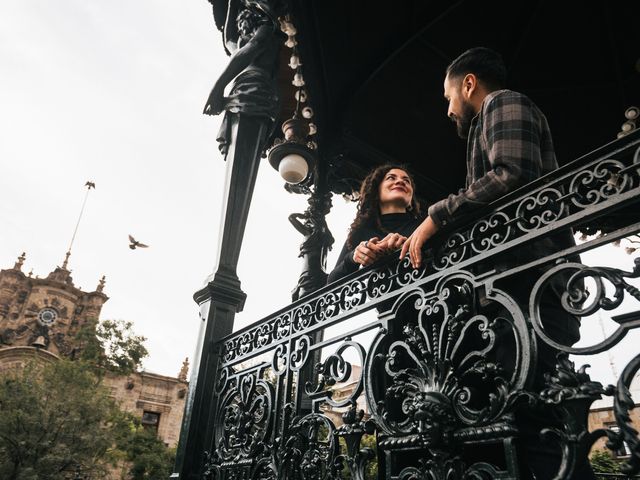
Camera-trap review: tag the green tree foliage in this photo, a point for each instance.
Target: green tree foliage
(603, 462)
(112, 345)
(56, 420)
(371, 469)
(148, 457)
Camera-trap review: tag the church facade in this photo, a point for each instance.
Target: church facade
(39, 320)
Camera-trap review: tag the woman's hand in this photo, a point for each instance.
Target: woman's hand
(373, 249)
(392, 242)
(368, 252)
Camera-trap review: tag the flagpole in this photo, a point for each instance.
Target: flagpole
(89, 186)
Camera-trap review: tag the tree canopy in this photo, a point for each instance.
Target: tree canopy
(55, 420)
(112, 345)
(60, 422)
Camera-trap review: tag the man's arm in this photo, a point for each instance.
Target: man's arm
(511, 137)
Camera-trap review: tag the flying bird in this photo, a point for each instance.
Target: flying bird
(135, 243)
(90, 185)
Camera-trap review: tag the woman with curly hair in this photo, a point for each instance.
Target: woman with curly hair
(387, 213)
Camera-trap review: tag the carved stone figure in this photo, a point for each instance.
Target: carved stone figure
(317, 241)
(251, 34)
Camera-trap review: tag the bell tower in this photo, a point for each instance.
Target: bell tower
(45, 313)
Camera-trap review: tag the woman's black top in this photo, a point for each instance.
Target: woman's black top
(402, 223)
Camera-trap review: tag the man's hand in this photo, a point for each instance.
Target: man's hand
(416, 240)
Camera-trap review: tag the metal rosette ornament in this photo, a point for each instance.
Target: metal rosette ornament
(446, 371)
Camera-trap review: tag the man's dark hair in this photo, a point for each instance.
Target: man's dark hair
(484, 63)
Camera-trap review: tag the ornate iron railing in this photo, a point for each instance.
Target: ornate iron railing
(456, 350)
(615, 476)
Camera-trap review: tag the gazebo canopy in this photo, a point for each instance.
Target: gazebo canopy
(374, 73)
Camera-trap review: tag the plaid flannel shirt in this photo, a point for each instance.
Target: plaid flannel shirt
(509, 145)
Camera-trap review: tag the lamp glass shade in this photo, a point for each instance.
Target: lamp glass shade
(293, 168)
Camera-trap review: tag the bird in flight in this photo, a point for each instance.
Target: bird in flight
(90, 185)
(135, 243)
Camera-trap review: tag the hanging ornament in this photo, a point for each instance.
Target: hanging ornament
(291, 41)
(298, 80)
(301, 96)
(294, 62)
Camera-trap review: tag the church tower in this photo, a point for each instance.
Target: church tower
(46, 313)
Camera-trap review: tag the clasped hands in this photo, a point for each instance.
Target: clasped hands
(373, 249)
(368, 252)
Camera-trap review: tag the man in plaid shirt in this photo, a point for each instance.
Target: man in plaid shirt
(509, 144)
(508, 141)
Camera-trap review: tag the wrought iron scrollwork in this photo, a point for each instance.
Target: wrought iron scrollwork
(488, 233)
(593, 185)
(443, 467)
(336, 369)
(453, 359)
(211, 469)
(575, 297)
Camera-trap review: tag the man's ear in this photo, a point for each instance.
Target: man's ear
(469, 85)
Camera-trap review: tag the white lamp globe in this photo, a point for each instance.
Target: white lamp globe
(293, 168)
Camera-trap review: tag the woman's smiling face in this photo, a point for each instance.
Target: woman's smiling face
(396, 191)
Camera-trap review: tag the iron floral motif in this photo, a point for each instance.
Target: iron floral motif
(245, 420)
(444, 370)
(572, 393)
(623, 404)
(309, 449)
(352, 431)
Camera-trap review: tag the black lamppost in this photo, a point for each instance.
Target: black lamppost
(251, 33)
(295, 158)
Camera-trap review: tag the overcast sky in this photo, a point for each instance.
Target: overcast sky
(113, 92)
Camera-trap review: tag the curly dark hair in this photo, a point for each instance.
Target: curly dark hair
(369, 200)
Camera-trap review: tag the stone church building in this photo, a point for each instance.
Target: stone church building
(40, 318)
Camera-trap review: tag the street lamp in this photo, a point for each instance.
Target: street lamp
(293, 157)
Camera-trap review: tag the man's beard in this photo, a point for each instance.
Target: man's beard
(463, 122)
